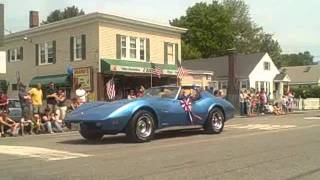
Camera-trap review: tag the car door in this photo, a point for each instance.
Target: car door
(199, 110)
(171, 113)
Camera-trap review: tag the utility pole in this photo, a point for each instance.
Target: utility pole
(233, 81)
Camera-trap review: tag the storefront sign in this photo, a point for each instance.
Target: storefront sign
(84, 76)
(118, 68)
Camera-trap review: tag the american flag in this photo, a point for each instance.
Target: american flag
(110, 87)
(157, 71)
(182, 72)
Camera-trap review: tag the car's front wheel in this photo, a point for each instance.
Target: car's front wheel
(215, 121)
(90, 135)
(141, 127)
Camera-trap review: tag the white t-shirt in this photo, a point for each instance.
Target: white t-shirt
(81, 93)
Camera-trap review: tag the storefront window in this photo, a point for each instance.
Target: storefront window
(133, 48)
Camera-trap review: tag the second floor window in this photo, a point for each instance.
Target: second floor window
(46, 53)
(78, 47)
(132, 48)
(15, 54)
(123, 46)
(266, 65)
(170, 54)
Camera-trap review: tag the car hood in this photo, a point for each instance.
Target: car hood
(95, 111)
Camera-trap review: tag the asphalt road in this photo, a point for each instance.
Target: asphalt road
(269, 147)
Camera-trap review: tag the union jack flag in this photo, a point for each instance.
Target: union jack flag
(157, 71)
(110, 87)
(182, 72)
(186, 104)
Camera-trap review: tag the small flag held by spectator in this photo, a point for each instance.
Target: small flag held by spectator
(110, 87)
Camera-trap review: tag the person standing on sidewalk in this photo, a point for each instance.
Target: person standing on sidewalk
(62, 107)
(26, 105)
(81, 94)
(52, 98)
(241, 100)
(36, 99)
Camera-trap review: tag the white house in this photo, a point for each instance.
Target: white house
(252, 71)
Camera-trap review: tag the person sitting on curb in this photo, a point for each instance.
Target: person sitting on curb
(50, 122)
(277, 109)
(8, 123)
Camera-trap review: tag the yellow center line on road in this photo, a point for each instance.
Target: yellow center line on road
(41, 153)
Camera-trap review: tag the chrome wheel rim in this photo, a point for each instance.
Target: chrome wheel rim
(144, 126)
(217, 121)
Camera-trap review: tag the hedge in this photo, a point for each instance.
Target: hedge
(304, 92)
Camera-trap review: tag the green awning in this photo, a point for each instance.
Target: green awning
(58, 80)
(111, 65)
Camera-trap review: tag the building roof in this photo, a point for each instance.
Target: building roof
(219, 65)
(282, 77)
(101, 17)
(303, 74)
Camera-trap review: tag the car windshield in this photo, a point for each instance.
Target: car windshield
(163, 92)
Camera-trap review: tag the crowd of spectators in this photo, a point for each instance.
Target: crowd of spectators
(259, 103)
(39, 116)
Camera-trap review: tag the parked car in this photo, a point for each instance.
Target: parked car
(15, 109)
(161, 107)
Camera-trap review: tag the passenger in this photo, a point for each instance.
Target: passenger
(131, 95)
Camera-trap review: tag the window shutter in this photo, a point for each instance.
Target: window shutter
(118, 44)
(21, 53)
(148, 50)
(176, 48)
(8, 55)
(165, 53)
(54, 47)
(83, 46)
(71, 49)
(37, 54)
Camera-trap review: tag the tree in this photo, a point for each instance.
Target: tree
(215, 27)
(299, 59)
(58, 15)
(268, 44)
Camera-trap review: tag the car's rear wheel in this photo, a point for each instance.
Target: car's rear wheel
(141, 127)
(215, 121)
(90, 134)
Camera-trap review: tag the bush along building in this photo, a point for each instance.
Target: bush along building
(97, 47)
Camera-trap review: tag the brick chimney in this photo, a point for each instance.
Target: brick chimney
(233, 82)
(1, 25)
(34, 19)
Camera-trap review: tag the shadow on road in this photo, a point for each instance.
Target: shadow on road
(122, 139)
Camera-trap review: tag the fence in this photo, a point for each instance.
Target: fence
(307, 104)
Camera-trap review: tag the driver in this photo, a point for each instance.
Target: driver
(165, 93)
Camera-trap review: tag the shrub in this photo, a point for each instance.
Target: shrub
(307, 92)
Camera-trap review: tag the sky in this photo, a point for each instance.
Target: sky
(294, 23)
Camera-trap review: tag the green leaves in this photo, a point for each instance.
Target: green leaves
(68, 12)
(215, 27)
(299, 59)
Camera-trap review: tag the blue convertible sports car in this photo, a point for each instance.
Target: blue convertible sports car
(161, 107)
